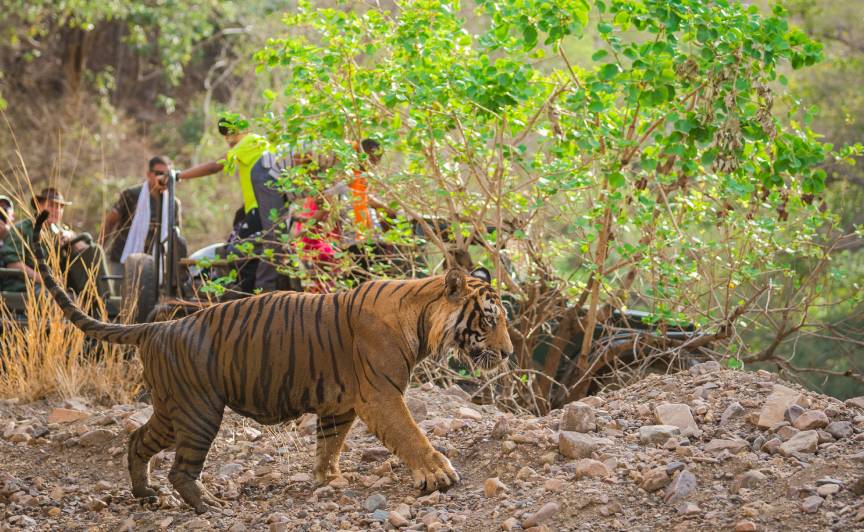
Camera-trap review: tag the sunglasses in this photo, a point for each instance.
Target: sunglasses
(159, 173)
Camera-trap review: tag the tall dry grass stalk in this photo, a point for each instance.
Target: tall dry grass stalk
(42, 355)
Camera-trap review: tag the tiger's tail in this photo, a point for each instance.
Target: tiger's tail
(110, 332)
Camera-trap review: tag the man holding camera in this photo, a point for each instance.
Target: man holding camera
(80, 257)
(131, 224)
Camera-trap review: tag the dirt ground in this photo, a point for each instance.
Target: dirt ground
(721, 473)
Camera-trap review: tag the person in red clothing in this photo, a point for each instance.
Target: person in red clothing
(319, 240)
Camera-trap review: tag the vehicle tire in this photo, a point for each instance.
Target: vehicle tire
(139, 287)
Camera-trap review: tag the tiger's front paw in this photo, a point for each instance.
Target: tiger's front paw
(437, 473)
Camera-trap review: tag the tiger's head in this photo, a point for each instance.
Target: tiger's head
(478, 320)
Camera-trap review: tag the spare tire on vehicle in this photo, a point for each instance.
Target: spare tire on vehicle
(140, 287)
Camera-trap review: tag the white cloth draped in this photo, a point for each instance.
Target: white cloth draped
(137, 237)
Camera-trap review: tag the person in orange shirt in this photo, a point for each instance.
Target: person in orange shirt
(320, 249)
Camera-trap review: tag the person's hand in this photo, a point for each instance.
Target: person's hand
(66, 236)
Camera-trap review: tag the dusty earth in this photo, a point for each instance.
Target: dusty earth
(707, 466)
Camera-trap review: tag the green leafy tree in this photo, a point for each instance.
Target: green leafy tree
(660, 178)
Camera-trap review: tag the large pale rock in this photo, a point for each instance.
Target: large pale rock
(469, 413)
(839, 429)
(856, 402)
(66, 415)
(774, 409)
(546, 512)
(811, 504)
(683, 483)
(591, 469)
(677, 415)
(811, 420)
(803, 442)
(95, 437)
(578, 417)
(733, 446)
(732, 411)
(575, 444)
(493, 486)
(655, 479)
(657, 433)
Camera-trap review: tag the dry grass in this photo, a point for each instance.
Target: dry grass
(46, 356)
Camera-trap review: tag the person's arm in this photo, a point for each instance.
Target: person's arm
(200, 170)
(28, 271)
(109, 225)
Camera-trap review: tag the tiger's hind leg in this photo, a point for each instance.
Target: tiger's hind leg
(193, 438)
(332, 431)
(155, 435)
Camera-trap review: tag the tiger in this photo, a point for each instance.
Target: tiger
(275, 356)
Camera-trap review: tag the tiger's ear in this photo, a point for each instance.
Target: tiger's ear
(482, 274)
(455, 284)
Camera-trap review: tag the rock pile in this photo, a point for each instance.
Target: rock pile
(704, 449)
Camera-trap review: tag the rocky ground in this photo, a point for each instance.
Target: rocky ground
(707, 449)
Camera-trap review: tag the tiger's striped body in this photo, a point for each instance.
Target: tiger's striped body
(276, 356)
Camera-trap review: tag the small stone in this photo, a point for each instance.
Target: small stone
(509, 524)
(803, 442)
(417, 408)
(396, 519)
(827, 489)
(525, 473)
(839, 429)
(198, 524)
(338, 483)
(774, 409)
(95, 437)
(493, 487)
(683, 483)
(134, 421)
(374, 502)
(772, 446)
(793, 412)
(456, 391)
(732, 411)
(470, 413)
(549, 458)
(578, 417)
(66, 415)
(811, 420)
(745, 526)
(688, 508)
(20, 437)
(747, 479)
(674, 466)
(733, 446)
(704, 368)
(375, 454)
(786, 433)
(237, 527)
(576, 445)
(855, 402)
(501, 428)
(546, 512)
(677, 415)
(553, 484)
(251, 434)
(379, 515)
(655, 479)
(589, 468)
(657, 433)
(811, 504)
(54, 512)
(95, 505)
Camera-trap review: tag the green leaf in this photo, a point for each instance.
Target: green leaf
(609, 71)
(605, 27)
(734, 363)
(599, 54)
